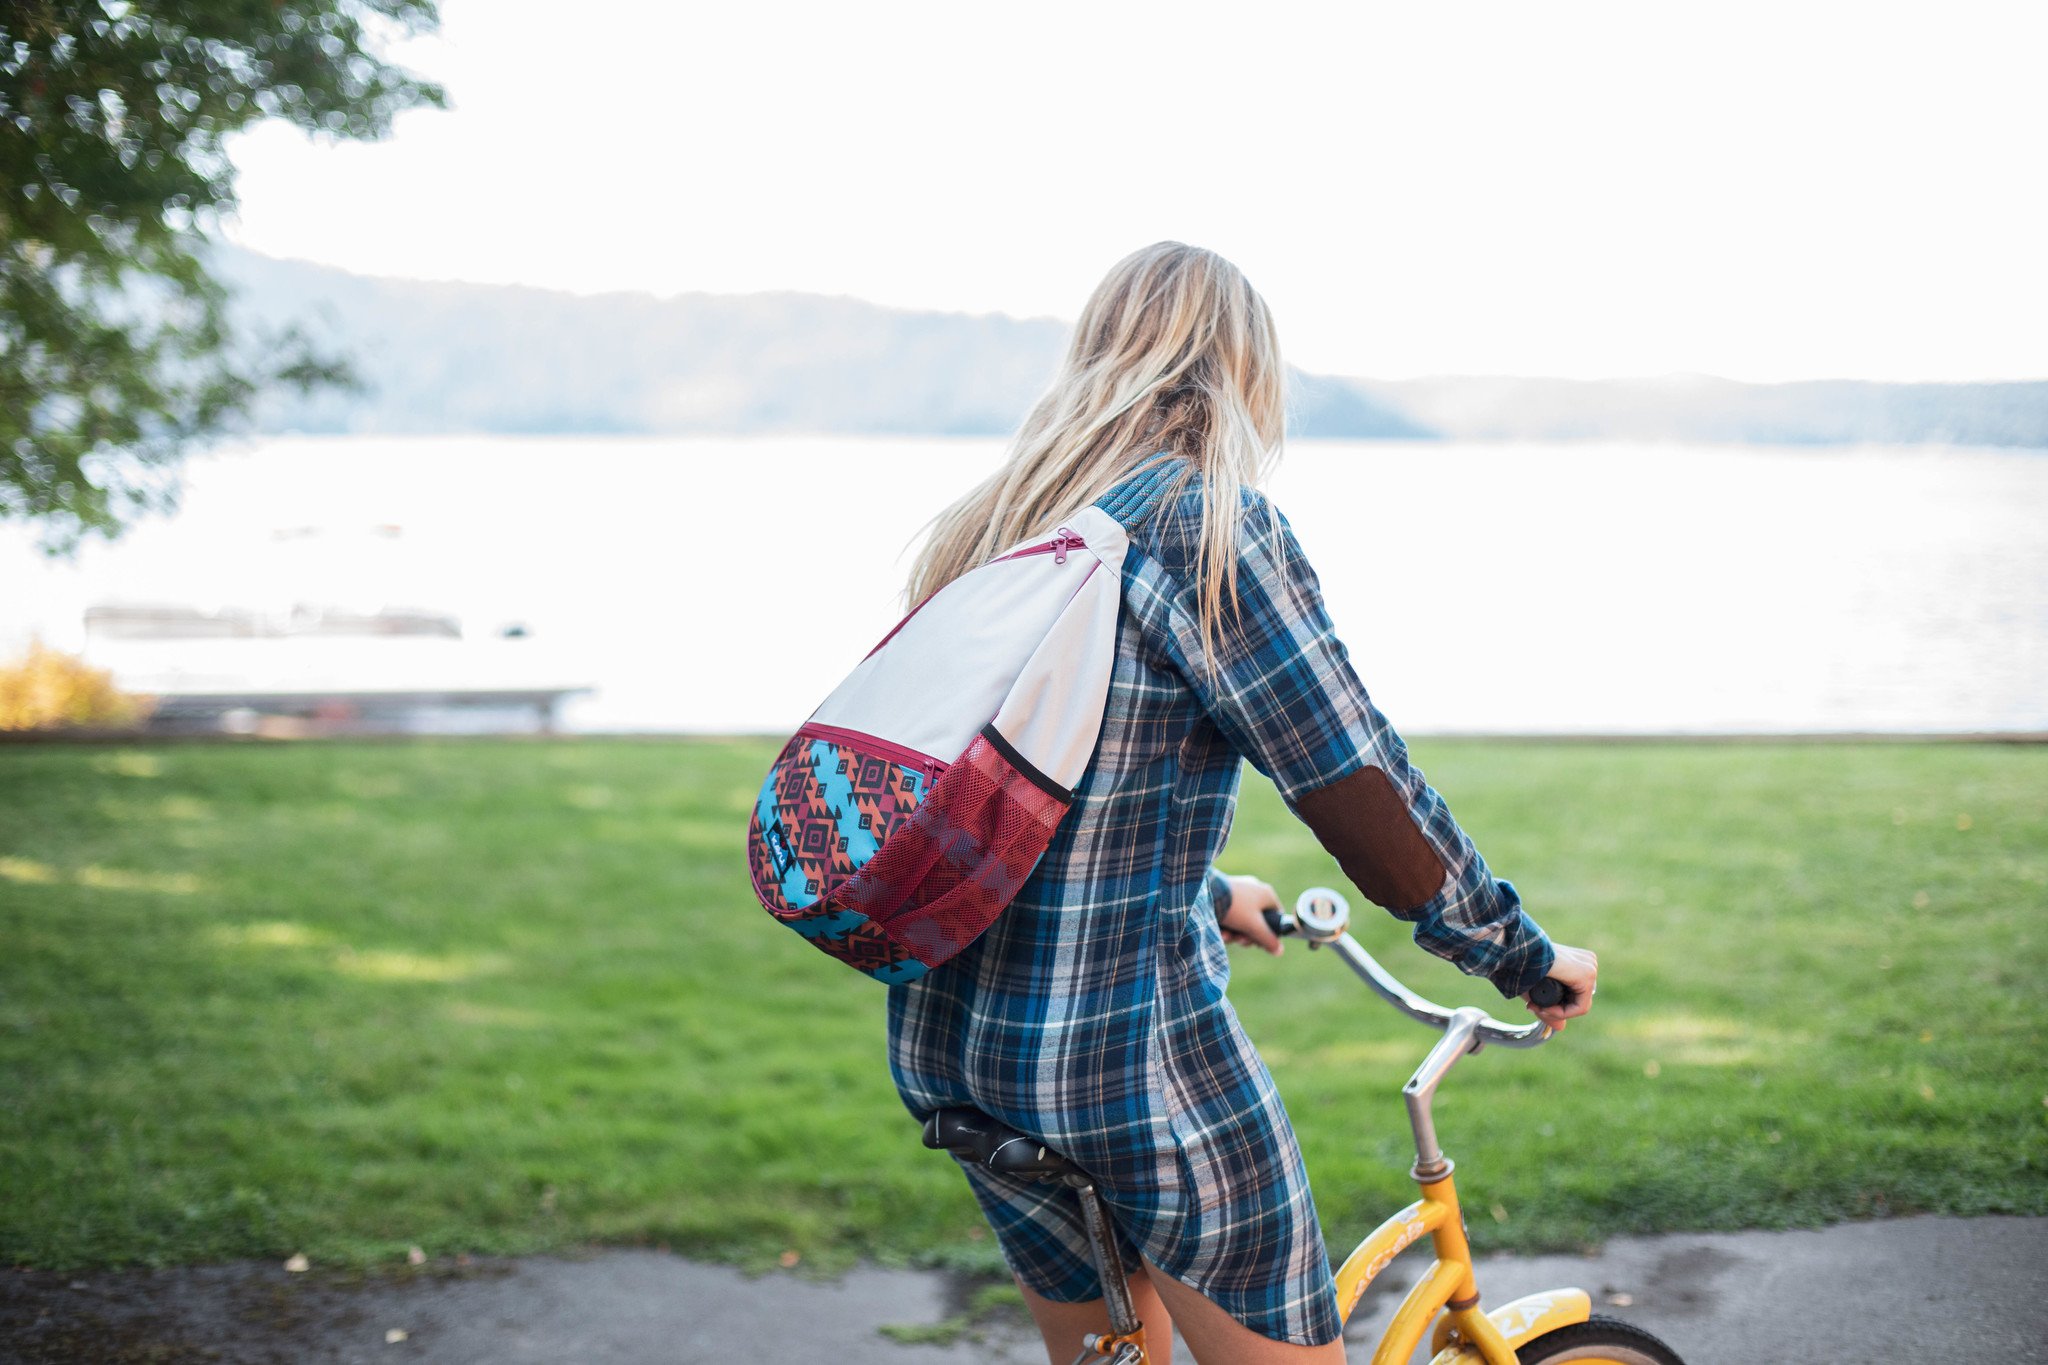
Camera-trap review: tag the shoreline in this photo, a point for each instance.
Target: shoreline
(119, 736)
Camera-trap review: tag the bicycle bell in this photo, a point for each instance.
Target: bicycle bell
(1321, 914)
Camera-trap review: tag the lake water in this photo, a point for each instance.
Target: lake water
(727, 583)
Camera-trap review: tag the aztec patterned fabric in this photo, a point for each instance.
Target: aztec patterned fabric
(1092, 1015)
(833, 807)
(902, 817)
(824, 812)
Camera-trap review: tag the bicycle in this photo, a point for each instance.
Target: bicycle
(1546, 1328)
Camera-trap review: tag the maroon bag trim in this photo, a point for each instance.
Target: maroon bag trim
(865, 743)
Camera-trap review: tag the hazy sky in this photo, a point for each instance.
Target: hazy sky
(1773, 191)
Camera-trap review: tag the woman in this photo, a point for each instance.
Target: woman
(1092, 1014)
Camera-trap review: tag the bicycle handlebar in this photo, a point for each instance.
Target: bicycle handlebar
(1321, 916)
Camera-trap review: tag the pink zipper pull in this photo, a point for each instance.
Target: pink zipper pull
(1062, 541)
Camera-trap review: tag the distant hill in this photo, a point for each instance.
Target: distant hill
(496, 358)
(1691, 407)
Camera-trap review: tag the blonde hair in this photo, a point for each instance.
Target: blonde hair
(1175, 351)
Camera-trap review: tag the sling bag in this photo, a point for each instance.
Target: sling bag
(903, 816)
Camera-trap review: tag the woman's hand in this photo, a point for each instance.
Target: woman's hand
(1245, 920)
(1578, 968)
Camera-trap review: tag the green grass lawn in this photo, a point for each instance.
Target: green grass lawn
(503, 996)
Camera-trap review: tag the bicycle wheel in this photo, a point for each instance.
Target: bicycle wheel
(1598, 1341)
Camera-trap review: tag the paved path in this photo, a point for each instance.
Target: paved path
(1900, 1290)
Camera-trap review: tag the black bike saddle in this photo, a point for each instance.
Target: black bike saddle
(973, 1136)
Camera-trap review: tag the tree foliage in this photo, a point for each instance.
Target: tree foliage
(117, 352)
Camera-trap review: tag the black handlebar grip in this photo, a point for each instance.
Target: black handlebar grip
(1550, 991)
(1277, 922)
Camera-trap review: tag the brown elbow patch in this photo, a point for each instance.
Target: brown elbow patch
(1366, 827)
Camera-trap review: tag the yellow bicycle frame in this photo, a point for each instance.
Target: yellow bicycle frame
(1463, 1335)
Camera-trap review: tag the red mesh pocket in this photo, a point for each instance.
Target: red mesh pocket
(943, 876)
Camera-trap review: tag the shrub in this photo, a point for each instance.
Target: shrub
(47, 688)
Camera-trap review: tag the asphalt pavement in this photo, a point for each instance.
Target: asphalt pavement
(1908, 1289)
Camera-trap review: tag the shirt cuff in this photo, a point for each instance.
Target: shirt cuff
(1524, 954)
(1219, 892)
(1479, 926)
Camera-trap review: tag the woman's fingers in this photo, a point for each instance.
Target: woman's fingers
(1250, 899)
(1579, 970)
(1250, 927)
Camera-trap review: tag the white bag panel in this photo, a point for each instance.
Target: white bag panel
(951, 665)
(1053, 715)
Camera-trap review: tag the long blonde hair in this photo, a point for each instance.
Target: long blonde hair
(1176, 352)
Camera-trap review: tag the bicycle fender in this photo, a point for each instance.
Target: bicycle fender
(1522, 1321)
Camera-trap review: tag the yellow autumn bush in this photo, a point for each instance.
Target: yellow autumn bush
(47, 688)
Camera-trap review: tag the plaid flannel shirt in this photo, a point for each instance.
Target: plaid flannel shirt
(1092, 1014)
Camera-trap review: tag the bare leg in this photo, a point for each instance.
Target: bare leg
(1216, 1338)
(1063, 1325)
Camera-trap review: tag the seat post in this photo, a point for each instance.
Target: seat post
(1109, 1264)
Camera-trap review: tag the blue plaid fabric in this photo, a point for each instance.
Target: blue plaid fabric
(1092, 1014)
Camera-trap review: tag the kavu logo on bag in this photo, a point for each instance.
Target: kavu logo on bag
(900, 819)
(778, 848)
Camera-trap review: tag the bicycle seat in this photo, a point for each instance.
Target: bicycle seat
(973, 1136)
